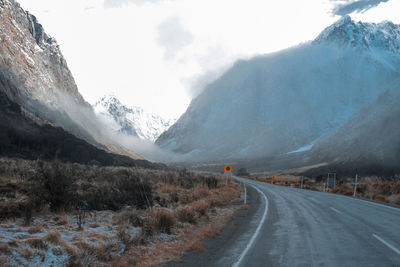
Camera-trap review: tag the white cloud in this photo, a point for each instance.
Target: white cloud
(346, 7)
(173, 37)
(120, 3)
(160, 54)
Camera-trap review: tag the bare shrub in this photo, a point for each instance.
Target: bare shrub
(200, 207)
(54, 237)
(201, 192)
(61, 220)
(84, 255)
(130, 217)
(129, 238)
(211, 182)
(108, 249)
(37, 243)
(186, 214)
(53, 186)
(380, 198)
(5, 248)
(159, 220)
(36, 229)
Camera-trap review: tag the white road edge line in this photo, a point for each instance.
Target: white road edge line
(335, 210)
(253, 238)
(387, 244)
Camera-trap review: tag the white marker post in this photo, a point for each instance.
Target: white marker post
(302, 179)
(245, 194)
(355, 186)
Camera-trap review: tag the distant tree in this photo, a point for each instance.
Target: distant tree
(242, 172)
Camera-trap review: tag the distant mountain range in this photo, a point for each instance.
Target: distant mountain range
(332, 101)
(130, 120)
(324, 101)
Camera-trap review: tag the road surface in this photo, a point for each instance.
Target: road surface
(306, 228)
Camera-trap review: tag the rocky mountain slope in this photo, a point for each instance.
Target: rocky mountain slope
(22, 137)
(130, 120)
(367, 143)
(37, 79)
(287, 101)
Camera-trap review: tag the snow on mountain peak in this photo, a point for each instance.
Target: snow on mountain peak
(131, 120)
(382, 36)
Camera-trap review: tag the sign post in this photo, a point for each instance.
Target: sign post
(228, 173)
(245, 194)
(355, 186)
(302, 180)
(331, 180)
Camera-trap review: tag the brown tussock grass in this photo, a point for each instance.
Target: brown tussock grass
(35, 229)
(5, 248)
(37, 243)
(190, 238)
(94, 225)
(201, 192)
(55, 238)
(160, 221)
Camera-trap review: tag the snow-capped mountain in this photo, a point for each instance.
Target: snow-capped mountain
(131, 120)
(287, 101)
(381, 36)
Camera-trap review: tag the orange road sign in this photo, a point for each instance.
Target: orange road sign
(228, 168)
(275, 176)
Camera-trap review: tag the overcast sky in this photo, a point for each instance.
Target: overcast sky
(157, 54)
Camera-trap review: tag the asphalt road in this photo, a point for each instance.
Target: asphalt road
(296, 227)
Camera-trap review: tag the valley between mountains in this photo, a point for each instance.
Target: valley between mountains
(109, 183)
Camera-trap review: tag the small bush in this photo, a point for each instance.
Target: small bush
(201, 192)
(130, 217)
(54, 238)
(53, 186)
(36, 229)
(159, 221)
(5, 249)
(84, 255)
(211, 182)
(37, 243)
(200, 207)
(186, 214)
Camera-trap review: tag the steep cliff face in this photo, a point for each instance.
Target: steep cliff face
(22, 137)
(31, 57)
(43, 86)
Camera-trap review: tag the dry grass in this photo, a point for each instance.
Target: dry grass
(201, 207)
(201, 192)
(35, 229)
(159, 221)
(37, 243)
(5, 248)
(154, 214)
(186, 214)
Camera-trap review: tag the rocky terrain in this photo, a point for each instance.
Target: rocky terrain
(36, 79)
(130, 120)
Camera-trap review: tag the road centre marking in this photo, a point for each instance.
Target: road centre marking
(387, 244)
(335, 210)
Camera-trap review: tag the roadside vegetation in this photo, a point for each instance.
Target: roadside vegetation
(381, 189)
(78, 215)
